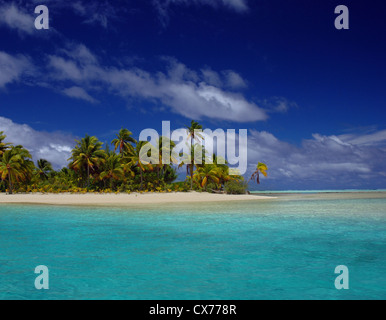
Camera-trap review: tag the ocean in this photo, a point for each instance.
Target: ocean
(285, 248)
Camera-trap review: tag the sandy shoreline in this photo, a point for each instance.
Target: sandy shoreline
(123, 199)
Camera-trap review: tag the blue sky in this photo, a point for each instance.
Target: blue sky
(312, 97)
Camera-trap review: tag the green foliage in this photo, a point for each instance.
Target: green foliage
(236, 187)
(210, 187)
(93, 168)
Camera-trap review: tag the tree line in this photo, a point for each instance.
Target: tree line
(96, 168)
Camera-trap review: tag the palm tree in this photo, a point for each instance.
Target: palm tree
(135, 158)
(112, 169)
(192, 135)
(87, 155)
(44, 168)
(260, 168)
(165, 146)
(3, 146)
(123, 141)
(190, 160)
(223, 169)
(27, 165)
(206, 173)
(11, 168)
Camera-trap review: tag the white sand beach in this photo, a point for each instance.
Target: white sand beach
(123, 199)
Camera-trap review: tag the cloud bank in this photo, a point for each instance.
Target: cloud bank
(203, 94)
(186, 92)
(342, 161)
(53, 146)
(339, 161)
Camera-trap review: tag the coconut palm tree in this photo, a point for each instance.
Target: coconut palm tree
(11, 168)
(124, 141)
(87, 155)
(3, 146)
(260, 168)
(208, 173)
(44, 168)
(136, 156)
(165, 147)
(27, 165)
(190, 160)
(193, 135)
(223, 169)
(112, 169)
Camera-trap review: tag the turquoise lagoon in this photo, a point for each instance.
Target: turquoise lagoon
(286, 248)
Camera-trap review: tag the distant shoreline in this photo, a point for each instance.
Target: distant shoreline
(121, 199)
(324, 195)
(316, 191)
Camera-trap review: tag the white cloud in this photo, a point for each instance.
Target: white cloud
(79, 93)
(53, 146)
(80, 53)
(212, 77)
(369, 139)
(64, 69)
(15, 18)
(319, 162)
(226, 79)
(234, 80)
(278, 104)
(95, 12)
(185, 91)
(13, 67)
(237, 5)
(163, 6)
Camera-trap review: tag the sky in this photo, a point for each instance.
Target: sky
(312, 97)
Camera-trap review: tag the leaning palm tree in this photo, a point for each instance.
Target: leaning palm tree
(193, 135)
(87, 155)
(260, 168)
(124, 141)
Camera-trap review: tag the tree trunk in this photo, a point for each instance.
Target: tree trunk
(10, 183)
(88, 176)
(191, 177)
(191, 160)
(140, 187)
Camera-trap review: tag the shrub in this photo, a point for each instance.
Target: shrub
(210, 187)
(236, 187)
(182, 186)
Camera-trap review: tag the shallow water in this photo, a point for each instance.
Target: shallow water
(275, 249)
